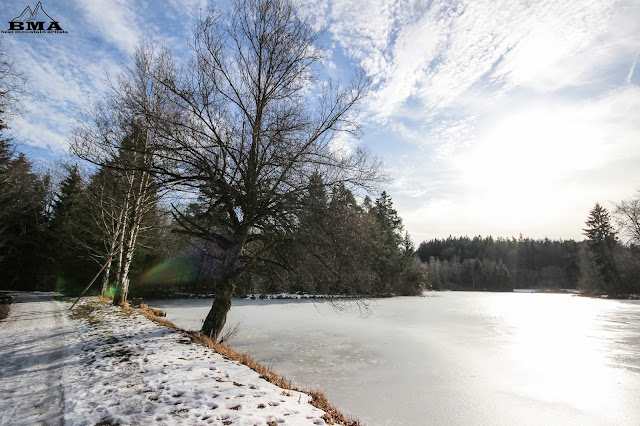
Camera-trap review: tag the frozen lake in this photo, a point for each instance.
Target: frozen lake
(451, 357)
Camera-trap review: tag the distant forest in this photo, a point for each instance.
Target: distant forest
(606, 262)
(502, 264)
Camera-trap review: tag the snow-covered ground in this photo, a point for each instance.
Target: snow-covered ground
(119, 367)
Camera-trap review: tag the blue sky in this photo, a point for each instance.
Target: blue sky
(492, 117)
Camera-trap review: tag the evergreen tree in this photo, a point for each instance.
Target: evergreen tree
(67, 206)
(408, 249)
(22, 194)
(602, 240)
(388, 238)
(22, 222)
(68, 232)
(333, 244)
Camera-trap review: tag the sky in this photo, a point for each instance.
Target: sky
(492, 117)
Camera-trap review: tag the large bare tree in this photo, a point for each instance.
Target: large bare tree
(258, 119)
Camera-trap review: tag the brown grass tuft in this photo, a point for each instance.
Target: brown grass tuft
(85, 311)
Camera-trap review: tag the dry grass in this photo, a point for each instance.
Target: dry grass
(85, 311)
(318, 399)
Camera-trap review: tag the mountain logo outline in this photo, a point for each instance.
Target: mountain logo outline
(33, 21)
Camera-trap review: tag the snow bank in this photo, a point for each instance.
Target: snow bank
(293, 296)
(126, 369)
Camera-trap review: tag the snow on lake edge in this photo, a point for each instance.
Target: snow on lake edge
(123, 368)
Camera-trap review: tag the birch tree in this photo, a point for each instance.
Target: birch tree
(120, 134)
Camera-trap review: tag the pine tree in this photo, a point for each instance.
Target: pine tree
(68, 203)
(387, 264)
(602, 240)
(22, 222)
(408, 249)
(67, 231)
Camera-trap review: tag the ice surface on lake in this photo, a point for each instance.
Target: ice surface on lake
(451, 357)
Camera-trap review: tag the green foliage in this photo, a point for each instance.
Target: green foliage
(347, 248)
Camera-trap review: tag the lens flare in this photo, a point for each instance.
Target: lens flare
(176, 270)
(61, 285)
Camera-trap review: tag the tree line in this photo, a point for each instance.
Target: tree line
(54, 236)
(501, 264)
(606, 262)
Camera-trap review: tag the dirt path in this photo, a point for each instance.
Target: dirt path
(32, 355)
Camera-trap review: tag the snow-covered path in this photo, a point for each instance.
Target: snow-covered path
(33, 343)
(105, 365)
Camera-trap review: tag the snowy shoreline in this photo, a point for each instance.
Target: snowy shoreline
(117, 366)
(166, 378)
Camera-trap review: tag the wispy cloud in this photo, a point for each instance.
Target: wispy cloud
(188, 8)
(437, 54)
(65, 72)
(631, 70)
(113, 20)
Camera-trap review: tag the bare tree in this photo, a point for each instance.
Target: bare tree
(12, 89)
(627, 214)
(13, 85)
(120, 134)
(257, 121)
(106, 214)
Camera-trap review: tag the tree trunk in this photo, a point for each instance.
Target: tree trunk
(105, 278)
(217, 316)
(225, 287)
(119, 283)
(136, 218)
(124, 279)
(113, 232)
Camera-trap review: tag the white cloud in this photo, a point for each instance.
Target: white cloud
(560, 136)
(39, 132)
(570, 47)
(498, 117)
(494, 117)
(113, 20)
